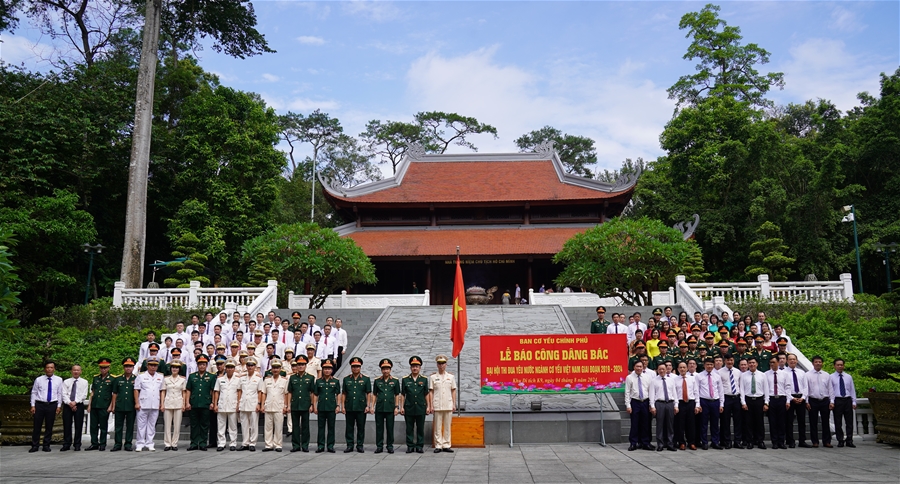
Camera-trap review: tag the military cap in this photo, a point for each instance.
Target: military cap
(441, 358)
(251, 361)
(202, 359)
(153, 346)
(682, 343)
(691, 339)
(672, 332)
(310, 346)
(723, 344)
(288, 350)
(723, 329)
(175, 351)
(657, 311)
(702, 346)
(251, 346)
(302, 359)
(296, 314)
(639, 345)
(759, 337)
(695, 327)
(276, 363)
(219, 358)
(258, 332)
(129, 361)
(235, 343)
(104, 362)
(230, 363)
(386, 363)
(356, 361)
(709, 334)
(243, 353)
(220, 346)
(326, 363)
(741, 341)
(415, 360)
(175, 363)
(782, 338)
(152, 361)
(662, 344)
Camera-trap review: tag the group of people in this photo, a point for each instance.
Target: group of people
(227, 388)
(722, 379)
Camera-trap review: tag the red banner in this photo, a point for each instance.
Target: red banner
(553, 363)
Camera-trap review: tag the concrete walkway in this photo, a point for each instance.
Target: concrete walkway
(868, 463)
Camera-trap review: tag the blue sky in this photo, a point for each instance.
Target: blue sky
(598, 69)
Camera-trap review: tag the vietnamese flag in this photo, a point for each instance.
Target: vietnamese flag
(459, 324)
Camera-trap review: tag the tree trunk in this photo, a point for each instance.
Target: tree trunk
(139, 166)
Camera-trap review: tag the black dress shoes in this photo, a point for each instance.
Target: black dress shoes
(630, 448)
(437, 450)
(348, 450)
(851, 444)
(448, 449)
(390, 451)
(659, 448)
(761, 445)
(92, 447)
(705, 446)
(319, 451)
(409, 450)
(671, 448)
(33, 449)
(420, 451)
(64, 448)
(378, 451)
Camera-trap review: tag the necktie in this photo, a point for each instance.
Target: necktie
(796, 385)
(665, 389)
(753, 383)
(775, 374)
(617, 328)
(843, 388)
(295, 347)
(731, 379)
(283, 337)
(72, 394)
(326, 340)
(640, 388)
(267, 337)
(50, 389)
(684, 395)
(709, 384)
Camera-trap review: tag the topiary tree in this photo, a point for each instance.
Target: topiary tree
(193, 265)
(9, 297)
(767, 254)
(261, 269)
(887, 366)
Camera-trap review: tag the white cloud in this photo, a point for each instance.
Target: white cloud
(270, 77)
(18, 50)
(845, 21)
(299, 104)
(311, 40)
(824, 68)
(622, 112)
(379, 11)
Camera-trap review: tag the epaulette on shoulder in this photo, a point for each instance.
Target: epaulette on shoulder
(115, 376)
(95, 376)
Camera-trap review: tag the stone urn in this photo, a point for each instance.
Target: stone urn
(477, 295)
(15, 416)
(886, 407)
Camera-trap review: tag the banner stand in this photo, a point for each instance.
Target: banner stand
(511, 395)
(602, 429)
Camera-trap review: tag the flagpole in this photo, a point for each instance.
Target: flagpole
(458, 365)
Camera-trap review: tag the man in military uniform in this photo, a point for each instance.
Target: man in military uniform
(386, 392)
(216, 368)
(762, 355)
(442, 386)
(147, 388)
(682, 355)
(663, 356)
(226, 402)
(101, 400)
(199, 388)
(153, 354)
(414, 395)
(355, 404)
(599, 325)
(639, 350)
(123, 405)
(301, 387)
(274, 402)
(328, 391)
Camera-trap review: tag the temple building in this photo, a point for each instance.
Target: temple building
(508, 213)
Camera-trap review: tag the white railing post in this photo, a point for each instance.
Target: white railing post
(530, 295)
(764, 290)
(671, 295)
(847, 280)
(117, 294)
(193, 297)
(291, 300)
(274, 285)
(343, 299)
(427, 301)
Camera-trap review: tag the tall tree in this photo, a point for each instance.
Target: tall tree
(345, 163)
(390, 140)
(726, 67)
(576, 152)
(767, 254)
(444, 129)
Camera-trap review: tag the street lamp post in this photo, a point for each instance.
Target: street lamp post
(887, 250)
(90, 249)
(851, 217)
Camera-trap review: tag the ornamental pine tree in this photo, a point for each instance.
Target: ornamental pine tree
(767, 254)
(190, 269)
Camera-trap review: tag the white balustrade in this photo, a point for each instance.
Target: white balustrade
(197, 297)
(362, 301)
(763, 289)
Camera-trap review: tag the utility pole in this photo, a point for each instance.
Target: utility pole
(852, 218)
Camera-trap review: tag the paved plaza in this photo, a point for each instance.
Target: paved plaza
(868, 463)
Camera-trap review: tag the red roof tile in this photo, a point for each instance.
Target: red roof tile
(443, 242)
(479, 181)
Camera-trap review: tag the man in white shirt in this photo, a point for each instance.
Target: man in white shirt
(755, 400)
(797, 403)
(712, 404)
(195, 324)
(327, 345)
(662, 406)
(297, 344)
(341, 335)
(226, 399)
(731, 413)
(778, 403)
(286, 334)
(74, 397)
(180, 334)
(637, 404)
(46, 404)
(634, 327)
(142, 354)
(276, 339)
(688, 408)
(616, 327)
(313, 327)
(819, 397)
(313, 364)
(147, 386)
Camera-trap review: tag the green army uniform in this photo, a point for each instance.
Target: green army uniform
(763, 358)
(327, 392)
(125, 413)
(163, 368)
(414, 391)
(356, 394)
(598, 326)
(385, 392)
(747, 355)
(101, 398)
(300, 388)
(201, 385)
(268, 373)
(677, 359)
(661, 360)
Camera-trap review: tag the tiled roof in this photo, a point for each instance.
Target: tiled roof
(473, 241)
(480, 181)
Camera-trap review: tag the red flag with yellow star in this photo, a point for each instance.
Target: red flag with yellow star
(459, 324)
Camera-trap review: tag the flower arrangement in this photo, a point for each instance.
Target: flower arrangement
(488, 386)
